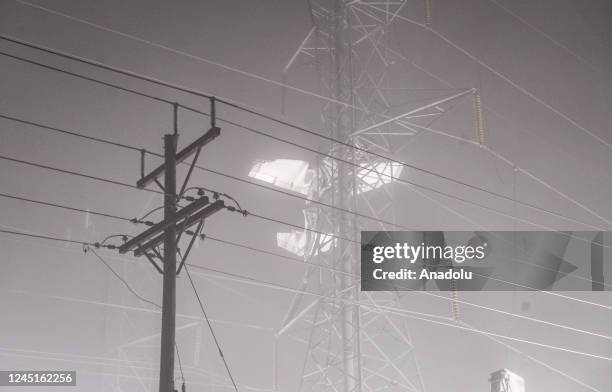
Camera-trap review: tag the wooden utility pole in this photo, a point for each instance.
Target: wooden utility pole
(169, 230)
(166, 366)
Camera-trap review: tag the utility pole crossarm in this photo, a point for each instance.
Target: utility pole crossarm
(137, 241)
(183, 225)
(181, 156)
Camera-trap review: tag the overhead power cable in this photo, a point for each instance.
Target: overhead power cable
(46, 237)
(497, 73)
(125, 283)
(400, 312)
(212, 331)
(227, 242)
(101, 82)
(216, 172)
(418, 185)
(249, 74)
(251, 111)
(232, 177)
(98, 64)
(78, 174)
(140, 221)
(91, 177)
(302, 262)
(202, 168)
(137, 295)
(201, 59)
(65, 207)
(301, 128)
(256, 132)
(396, 311)
(555, 42)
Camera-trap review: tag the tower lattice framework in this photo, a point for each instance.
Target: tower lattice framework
(351, 345)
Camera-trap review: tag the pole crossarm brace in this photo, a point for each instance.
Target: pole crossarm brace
(161, 226)
(181, 155)
(184, 225)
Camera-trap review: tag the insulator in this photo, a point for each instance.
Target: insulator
(455, 303)
(428, 12)
(479, 120)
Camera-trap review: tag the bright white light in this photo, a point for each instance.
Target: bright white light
(506, 381)
(296, 242)
(289, 174)
(516, 382)
(296, 176)
(374, 176)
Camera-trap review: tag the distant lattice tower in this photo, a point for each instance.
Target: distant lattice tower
(505, 381)
(348, 349)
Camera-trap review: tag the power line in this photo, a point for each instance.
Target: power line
(202, 168)
(349, 145)
(231, 243)
(45, 203)
(397, 311)
(70, 133)
(215, 239)
(254, 131)
(140, 297)
(101, 82)
(286, 123)
(301, 128)
(212, 331)
(76, 75)
(499, 156)
(281, 222)
(273, 137)
(104, 66)
(125, 283)
(197, 93)
(547, 36)
(216, 172)
(46, 237)
(75, 173)
(91, 177)
(412, 183)
(275, 254)
(498, 74)
(243, 212)
(140, 221)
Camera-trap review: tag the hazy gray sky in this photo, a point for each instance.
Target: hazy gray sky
(549, 113)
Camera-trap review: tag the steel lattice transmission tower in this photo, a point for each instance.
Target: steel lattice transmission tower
(350, 346)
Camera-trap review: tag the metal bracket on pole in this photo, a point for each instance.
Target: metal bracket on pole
(175, 118)
(195, 159)
(213, 112)
(157, 267)
(143, 152)
(191, 242)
